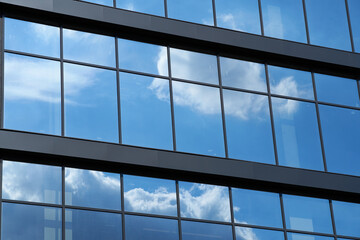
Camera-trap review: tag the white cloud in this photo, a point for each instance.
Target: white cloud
(46, 33)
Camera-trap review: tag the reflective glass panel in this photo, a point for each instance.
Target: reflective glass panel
(243, 74)
(191, 11)
(256, 208)
(91, 225)
(147, 228)
(205, 231)
(248, 127)
(155, 7)
(298, 236)
(328, 25)
(204, 201)
(284, 19)
(32, 38)
(90, 103)
(109, 3)
(354, 9)
(194, 66)
(291, 82)
(238, 15)
(297, 134)
(198, 121)
(95, 189)
(341, 131)
(347, 218)
(143, 57)
(150, 195)
(77, 45)
(31, 182)
(30, 222)
(32, 92)
(243, 233)
(307, 214)
(145, 111)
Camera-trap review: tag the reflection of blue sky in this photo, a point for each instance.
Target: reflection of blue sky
(354, 8)
(205, 231)
(199, 11)
(347, 218)
(155, 7)
(243, 233)
(298, 236)
(109, 3)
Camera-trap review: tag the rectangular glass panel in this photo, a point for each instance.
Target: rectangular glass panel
(205, 231)
(191, 11)
(154, 7)
(243, 233)
(347, 218)
(109, 3)
(354, 9)
(298, 236)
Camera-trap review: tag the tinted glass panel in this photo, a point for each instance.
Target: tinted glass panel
(92, 188)
(109, 3)
(145, 111)
(297, 236)
(347, 218)
(29, 222)
(192, 11)
(243, 233)
(31, 182)
(354, 9)
(248, 127)
(198, 121)
(205, 231)
(155, 7)
(150, 195)
(32, 92)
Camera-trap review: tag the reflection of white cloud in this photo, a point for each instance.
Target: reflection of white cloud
(130, 6)
(46, 33)
(274, 26)
(245, 233)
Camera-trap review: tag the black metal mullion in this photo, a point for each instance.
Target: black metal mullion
(122, 206)
(171, 100)
(214, 12)
(118, 90)
(350, 28)
(261, 18)
(165, 8)
(63, 203)
(332, 218)
(178, 209)
(62, 82)
(283, 215)
(306, 22)
(222, 107)
(232, 213)
(2, 70)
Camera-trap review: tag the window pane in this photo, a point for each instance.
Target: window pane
(243, 74)
(256, 208)
(307, 214)
(31, 182)
(146, 228)
(155, 7)
(341, 131)
(243, 233)
(77, 45)
(90, 225)
(238, 15)
(198, 121)
(297, 134)
(30, 222)
(191, 11)
(145, 111)
(90, 103)
(32, 37)
(248, 127)
(32, 92)
(143, 57)
(347, 218)
(354, 9)
(150, 195)
(92, 189)
(297, 236)
(204, 201)
(109, 3)
(194, 66)
(205, 231)
(328, 26)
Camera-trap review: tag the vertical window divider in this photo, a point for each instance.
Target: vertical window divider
(171, 99)
(165, 9)
(222, 107)
(63, 230)
(118, 90)
(349, 23)
(178, 208)
(232, 213)
(283, 215)
(214, 13)
(62, 82)
(358, 85)
(114, 3)
(122, 206)
(2, 74)
(261, 18)
(332, 218)
(306, 22)
(1, 186)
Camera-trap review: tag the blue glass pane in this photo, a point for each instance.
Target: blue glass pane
(297, 134)
(30, 222)
(297, 236)
(204, 201)
(146, 228)
(31, 182)
(243, 233)
(198, 121)
(77, 45)
(155, 7)
(205, 231)
(347, 218)
(32, 92)
(150, 195)
(145, 111)
(238, 15)
(32, 37)
(90, 225)
(354, 9)
(109, 3)
(243, 74)
(248, 127)
(191, 11)
(328, 25)
(341, 131)
(92, 189)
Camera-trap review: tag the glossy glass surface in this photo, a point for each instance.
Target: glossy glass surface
(31, 182)
(238, 15)
(194, 66)
(147, 228)
(347, 218)
(90, 103)
(328, 25)
(204, 201)
(109, 3)
(243, 74)
(307, 214)
(191, 11)
(30, 222)
(95, 189)
(155, 7)
(32, 92)
(248, 127)
(198, 121)
(143, 57)
(297, 134)
(150, 195)
(291, 82)
(91, 225)
(32, 37)
(354, 9)
(77, 45)
(341, 131)
(256, 208)
(145, 111)
(243, 233)
(297, 236)
(205, 231)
